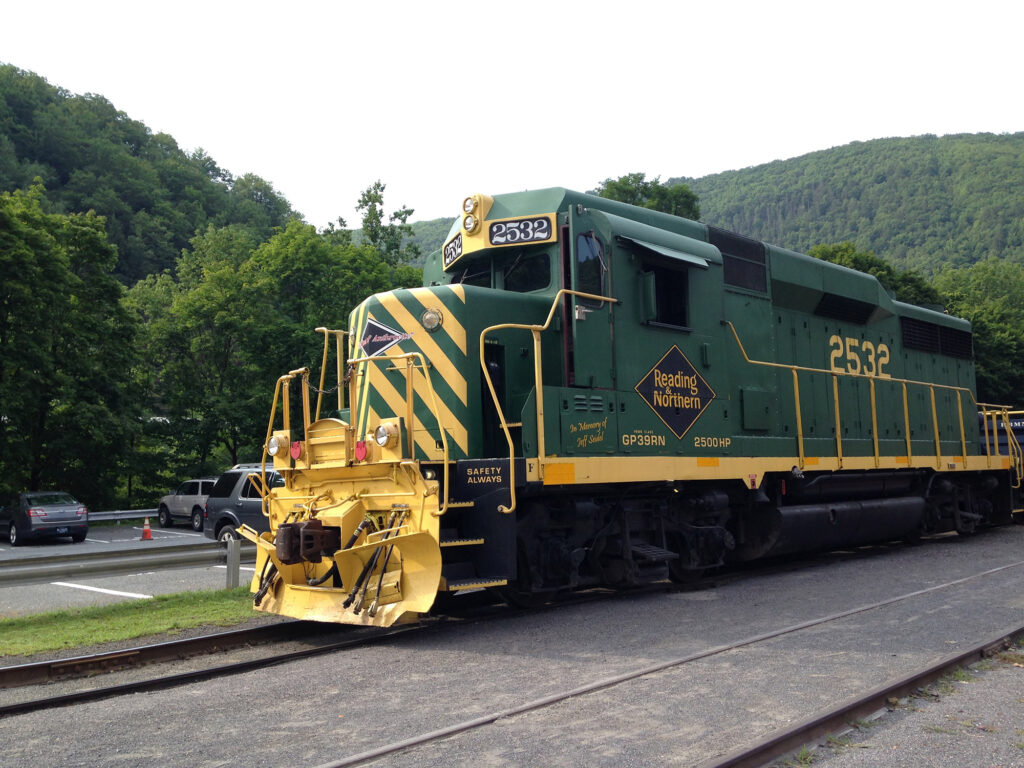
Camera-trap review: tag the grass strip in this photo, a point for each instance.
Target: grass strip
(164, 614)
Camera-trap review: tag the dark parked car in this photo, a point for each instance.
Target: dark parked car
(43, 514)
(234, 501)
(186, 503)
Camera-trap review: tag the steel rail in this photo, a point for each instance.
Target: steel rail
(645, 671)
(38, 672)
(35, 570)
(838, 718)
(184, 678)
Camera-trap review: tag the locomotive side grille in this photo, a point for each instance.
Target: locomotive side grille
(591, 403)
(743, 274)
(743, 260)
(956, 343)
(939, 339)
(918, 334)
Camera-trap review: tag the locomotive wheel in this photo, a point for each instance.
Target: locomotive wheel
(197, 519)
(164, 516)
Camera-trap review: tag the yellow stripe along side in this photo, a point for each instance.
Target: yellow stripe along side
(749, 470)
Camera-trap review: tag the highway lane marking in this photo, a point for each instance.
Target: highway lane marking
(99, 589)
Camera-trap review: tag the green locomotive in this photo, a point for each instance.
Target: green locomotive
(585, 392)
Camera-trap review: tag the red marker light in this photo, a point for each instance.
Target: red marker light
(360, 450)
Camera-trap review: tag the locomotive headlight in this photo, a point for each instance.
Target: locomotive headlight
(273, 445)
(469, 204)
(470, 223)
(386, 435)
(432, 319)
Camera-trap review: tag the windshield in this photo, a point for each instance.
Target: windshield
(528, 272)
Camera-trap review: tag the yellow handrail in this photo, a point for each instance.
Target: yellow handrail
(535, 331)
(409, 368)
(323, 366)
(1018, 460)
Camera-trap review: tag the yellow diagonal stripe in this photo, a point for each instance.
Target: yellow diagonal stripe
(451, 326)
(396, 402)
(427, 345)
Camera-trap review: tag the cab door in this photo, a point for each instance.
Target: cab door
(591, 356)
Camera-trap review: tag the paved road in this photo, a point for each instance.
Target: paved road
(69, 593)
(322, 709)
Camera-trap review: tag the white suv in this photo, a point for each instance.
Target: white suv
(186, 503)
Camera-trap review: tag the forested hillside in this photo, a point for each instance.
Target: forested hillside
(919, 202)
(90, 156)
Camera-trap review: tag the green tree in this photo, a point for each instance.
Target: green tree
(635, 189)
(906, 286)
(991, 295)
(67, 407)
(240, 314)
(388, 238)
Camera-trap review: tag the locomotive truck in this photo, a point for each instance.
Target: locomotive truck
(584, 392)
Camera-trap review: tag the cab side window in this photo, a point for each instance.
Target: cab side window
(671, 294)
(591, 267)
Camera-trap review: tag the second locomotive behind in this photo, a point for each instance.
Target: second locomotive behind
(589, 393)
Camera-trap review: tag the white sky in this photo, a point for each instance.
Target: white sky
(441, 99)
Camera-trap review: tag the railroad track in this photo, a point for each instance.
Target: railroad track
(776, 744)
(36, 673)
(30, 674)
(84, 665)
(839, 718)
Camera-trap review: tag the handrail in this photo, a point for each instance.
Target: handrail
(323, 366)
(282, 388)
(535, 331)
(409, 368)
(1017, 458)
(1013, 447)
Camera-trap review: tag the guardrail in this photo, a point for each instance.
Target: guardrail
(121, 514)
(36, 570)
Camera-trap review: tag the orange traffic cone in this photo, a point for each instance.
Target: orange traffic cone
(147, 535)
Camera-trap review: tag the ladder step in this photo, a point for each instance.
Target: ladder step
(651, 552)
(466, 504)
(477, 583)
(460, 542)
